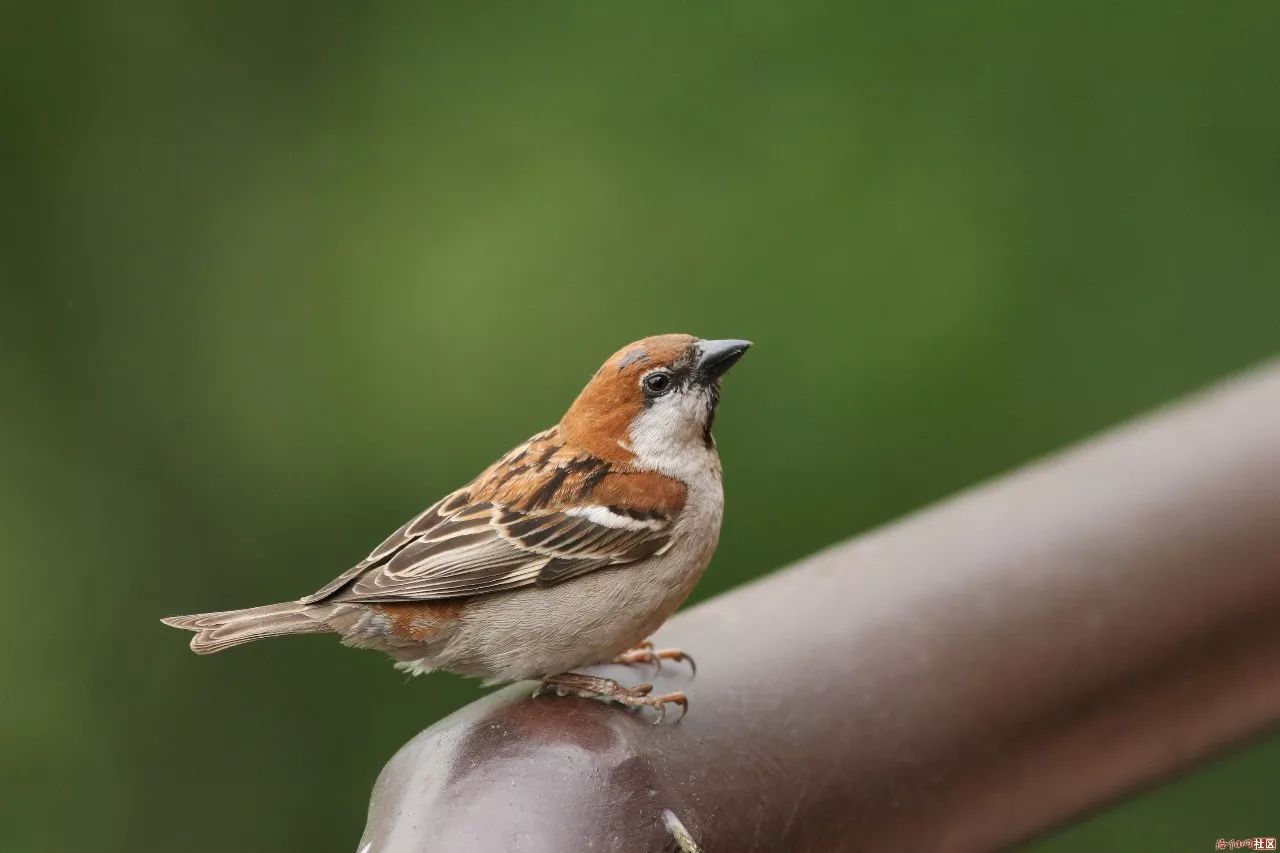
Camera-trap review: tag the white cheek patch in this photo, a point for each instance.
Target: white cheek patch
(606, 517)
(669, 436)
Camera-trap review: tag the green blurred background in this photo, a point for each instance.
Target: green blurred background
(277, 275)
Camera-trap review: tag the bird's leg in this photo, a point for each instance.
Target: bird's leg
(591, 687)
(646, 653)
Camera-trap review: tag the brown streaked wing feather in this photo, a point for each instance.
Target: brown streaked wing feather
(512, 528)
(518, 549)
(558, 570)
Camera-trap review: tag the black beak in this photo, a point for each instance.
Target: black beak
(716, 357)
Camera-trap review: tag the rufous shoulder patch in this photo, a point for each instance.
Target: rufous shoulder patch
(641, 491)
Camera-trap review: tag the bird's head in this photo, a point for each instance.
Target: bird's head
(653, 400)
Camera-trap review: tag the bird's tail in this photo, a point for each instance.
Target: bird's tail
(218, 631)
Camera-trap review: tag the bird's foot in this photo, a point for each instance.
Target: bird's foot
(591, 687)
(646, 653)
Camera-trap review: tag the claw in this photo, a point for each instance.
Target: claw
(592, 687)
(679, 657)
(674, 699)
(646, 653)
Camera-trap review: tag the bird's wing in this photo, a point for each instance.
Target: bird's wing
(539, 516)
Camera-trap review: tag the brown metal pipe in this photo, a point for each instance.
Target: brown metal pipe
(966, 678)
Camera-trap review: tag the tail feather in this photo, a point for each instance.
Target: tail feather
(218, 631)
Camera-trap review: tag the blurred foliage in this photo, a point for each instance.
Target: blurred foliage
(277, 275)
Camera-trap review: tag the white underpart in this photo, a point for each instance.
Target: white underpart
(415, 667)
(606, 517)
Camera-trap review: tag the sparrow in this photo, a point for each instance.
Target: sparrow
(568, 551)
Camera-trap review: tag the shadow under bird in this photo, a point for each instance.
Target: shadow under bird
(568, 551)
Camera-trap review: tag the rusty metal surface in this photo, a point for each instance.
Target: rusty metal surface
(965, 678)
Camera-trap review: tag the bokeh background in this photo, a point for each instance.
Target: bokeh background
(276, 275)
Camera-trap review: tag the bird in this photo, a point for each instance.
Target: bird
(569, 551)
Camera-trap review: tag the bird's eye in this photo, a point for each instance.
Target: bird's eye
(657, 383)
